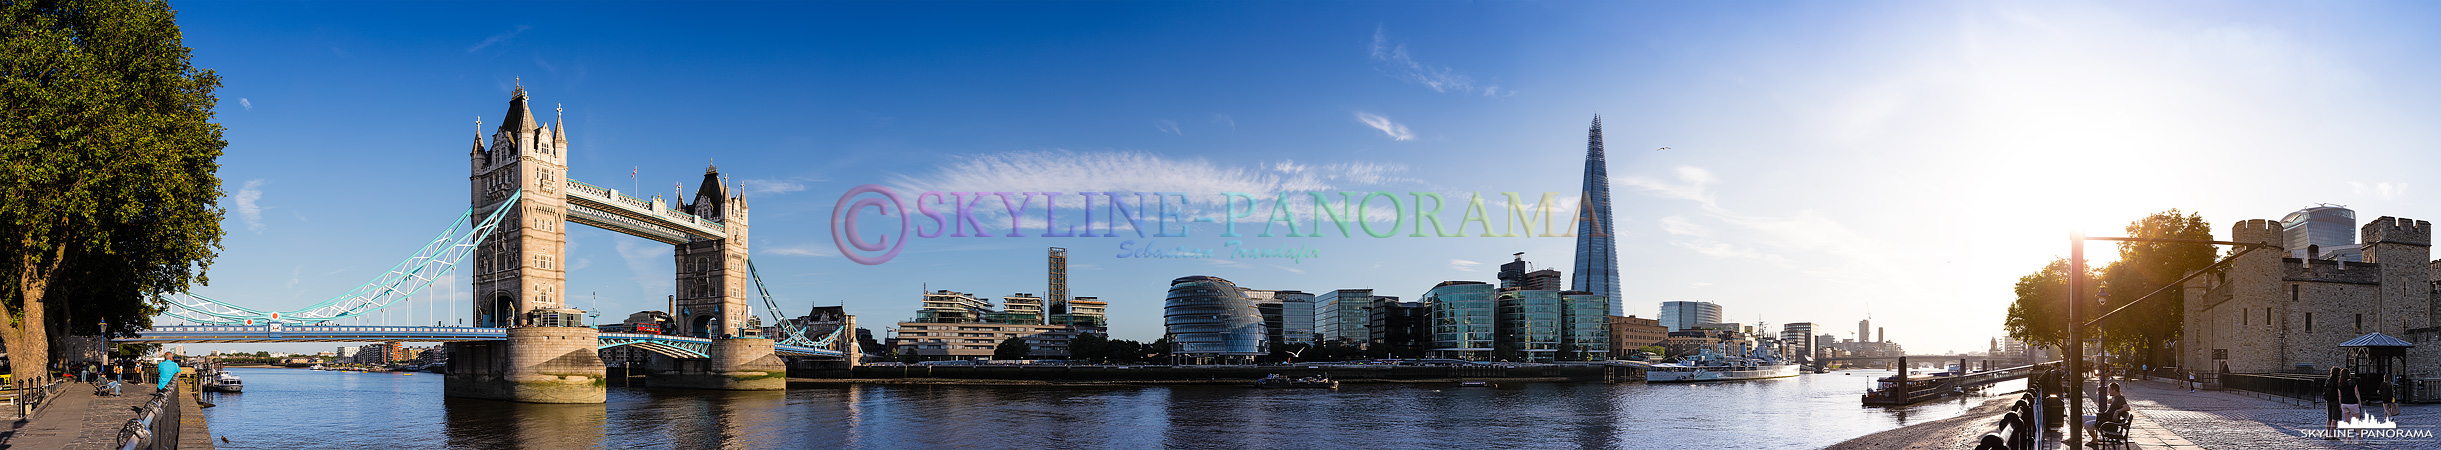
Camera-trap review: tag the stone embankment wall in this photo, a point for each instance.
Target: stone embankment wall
(1208, 373)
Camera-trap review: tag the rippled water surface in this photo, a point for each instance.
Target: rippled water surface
(296, 408)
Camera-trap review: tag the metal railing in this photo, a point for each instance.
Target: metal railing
(156, 424)
(2306, 388)
(26, 400)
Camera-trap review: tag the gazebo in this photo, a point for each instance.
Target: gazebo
(2374, 358)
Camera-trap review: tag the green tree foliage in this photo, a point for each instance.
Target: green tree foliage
(2146, 267)
(2040, 314)
(107, 165)
(1012, 348)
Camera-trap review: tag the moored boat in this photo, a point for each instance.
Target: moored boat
(1707, 365)
(1277, 381)
(223, 382)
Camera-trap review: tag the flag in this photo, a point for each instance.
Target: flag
(631, 173)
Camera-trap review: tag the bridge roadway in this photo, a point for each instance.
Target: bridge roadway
(673, 346)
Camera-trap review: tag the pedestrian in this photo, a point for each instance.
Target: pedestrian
(2351, 398)
(2330, 402)
(169, 372)
(2190, 381)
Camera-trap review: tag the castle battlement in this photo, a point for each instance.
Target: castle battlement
(2260, 231)
(2396, 230)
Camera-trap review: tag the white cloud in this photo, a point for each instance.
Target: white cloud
(803, 250)
(1462, 265)
(2385, 191)
(293, 276)
(498, 38)
(1394, 60)
(1699, 284)
(642, 261)
(771, 186)
(1225, 119)
(1168, 126)
(1679, 225)
(248, 210)
(1067, 171)
(241, 101)
(1289, 269)
(1394, 129)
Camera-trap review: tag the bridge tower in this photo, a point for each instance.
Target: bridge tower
(712, 284)
(519, 282)
(518, 270)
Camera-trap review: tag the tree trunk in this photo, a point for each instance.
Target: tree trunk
(29, 347)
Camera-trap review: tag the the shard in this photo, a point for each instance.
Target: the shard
(1597, 259)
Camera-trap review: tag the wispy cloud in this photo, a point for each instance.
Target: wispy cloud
(504, 36)
(803, 250)
(643, 261)
(248, 208)
(1226, 120)
(771, 186)
(1802, 231)
(241, 101)
(2385, 191)
(1394, 129)
(1168, 126)
(295, 275)
(1068, 171)
(1394, 60)
(1463, 265)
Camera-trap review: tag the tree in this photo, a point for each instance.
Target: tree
(107, 156)
(1013, 348)
(1089, 347)
(2144, 267)
(2040, 314)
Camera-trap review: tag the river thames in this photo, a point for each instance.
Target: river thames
(296, 408)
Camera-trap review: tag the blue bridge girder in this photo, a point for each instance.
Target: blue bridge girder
(673, 346)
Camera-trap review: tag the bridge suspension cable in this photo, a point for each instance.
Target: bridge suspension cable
(796, 334)
(437, 258)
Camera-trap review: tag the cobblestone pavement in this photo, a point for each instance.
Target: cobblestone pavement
(2172, 417)
(78, 420)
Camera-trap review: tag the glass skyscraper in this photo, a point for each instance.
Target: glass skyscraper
(1210, 320)
(2328, 228)
(1683, 315)
(1584, 326)
(1597, 263)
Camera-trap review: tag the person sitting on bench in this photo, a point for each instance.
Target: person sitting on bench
(2114, 415)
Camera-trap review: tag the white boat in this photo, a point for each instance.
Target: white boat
(317, 367)
(224, 382)
(1710, 366)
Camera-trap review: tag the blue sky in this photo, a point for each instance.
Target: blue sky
(1826, 160)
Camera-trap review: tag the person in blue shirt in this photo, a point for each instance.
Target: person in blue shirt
(169, 371)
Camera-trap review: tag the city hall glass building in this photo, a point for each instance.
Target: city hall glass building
(1210, 321)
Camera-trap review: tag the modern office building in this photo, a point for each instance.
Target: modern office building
(1597, 262)
(944, 306)
(2325, 228)
(1398, 329)
(1465, 319)
(1584, 326)
(1514, 276)
(1529, 326)
(1800, 338)
(1864, 330)
(1084, 311)
(1682, 315)
(976, 340)
(956, 325)
(1210, 321)
(1288, 316)
(1339, 315)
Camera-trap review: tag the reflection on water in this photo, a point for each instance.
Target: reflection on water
(291, 408)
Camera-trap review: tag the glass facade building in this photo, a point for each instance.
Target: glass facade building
(1529, 326)
(1211, 321)
(1465, 319)
(2328, 228)
(1680, 316)
(1584, 326)
(1597, 262)
(1340, 315)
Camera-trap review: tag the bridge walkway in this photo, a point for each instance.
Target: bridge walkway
(78, 420)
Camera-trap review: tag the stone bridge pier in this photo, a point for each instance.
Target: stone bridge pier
(738, 364)
(534, 365)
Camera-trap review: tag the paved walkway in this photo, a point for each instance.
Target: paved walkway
(76, 419)
(2170, 417)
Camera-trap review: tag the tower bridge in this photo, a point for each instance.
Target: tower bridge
(526, 343)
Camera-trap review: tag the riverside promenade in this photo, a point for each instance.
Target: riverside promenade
(2171, 417)
(78, 420)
